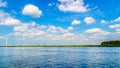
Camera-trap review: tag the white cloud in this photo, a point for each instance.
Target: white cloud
(53, 33)
(97, 34)
(22, 27)
(56, 30)
(70, 28)
(68, 36)
(42, 27)
(51, 4)
(94, 30)
(10, 21)
(72, 6)
(89, 20)
(116, 35)
(28, 30)
(117, 20)
(75, 22)
(103, 21)
(42, 32)
(118, 32)
(32, 11)
(50, 34)
(6, 19)
(97, 31)
(1, 37)
(52, 29)
(3, 4)
(114, 26)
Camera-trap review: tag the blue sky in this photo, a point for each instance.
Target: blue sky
(59, 21)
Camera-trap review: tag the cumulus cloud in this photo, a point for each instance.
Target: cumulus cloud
(51, 33)
(70, 28)
(56, 30)
(10, 21)
(68, 36)
(89, 20)
(94, 30)
(1, 37)
(118, 31)
(51, 4)
(28, 30)
(3, 4)
(43, 32)
(75, 22)
(52, 29)
(103, 21)
(72, 6)
(116, 35)
(97, 33)
(32, 11)
(21, 27)
(115, 26)
(55, 33)
(117, 20)
(7, 20)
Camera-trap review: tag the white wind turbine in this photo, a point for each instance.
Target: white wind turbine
(6, 40)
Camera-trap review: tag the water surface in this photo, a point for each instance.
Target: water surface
(68, 57)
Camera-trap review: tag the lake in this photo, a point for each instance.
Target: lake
(61, 57)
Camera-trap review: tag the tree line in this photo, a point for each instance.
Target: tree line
(111, 43)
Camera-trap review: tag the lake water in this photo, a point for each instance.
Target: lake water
(68, 57)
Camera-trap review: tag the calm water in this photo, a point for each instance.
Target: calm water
(81, 57)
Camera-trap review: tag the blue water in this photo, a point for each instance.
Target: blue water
(71, 57)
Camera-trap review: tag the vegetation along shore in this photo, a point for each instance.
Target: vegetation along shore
(113, 43)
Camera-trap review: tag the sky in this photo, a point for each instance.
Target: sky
(37, 22)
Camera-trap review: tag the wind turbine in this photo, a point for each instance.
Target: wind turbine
(6, 41)
(32, 43)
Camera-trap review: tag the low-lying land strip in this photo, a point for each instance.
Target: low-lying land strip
(114, 43)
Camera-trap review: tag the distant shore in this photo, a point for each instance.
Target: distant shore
(112, 43)
(61, 46)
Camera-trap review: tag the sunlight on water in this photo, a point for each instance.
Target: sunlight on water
(80, 57)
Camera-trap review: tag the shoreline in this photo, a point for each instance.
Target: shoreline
(65, 46)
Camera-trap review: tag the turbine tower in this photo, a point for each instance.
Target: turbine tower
(6, 41)
(32, 43)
